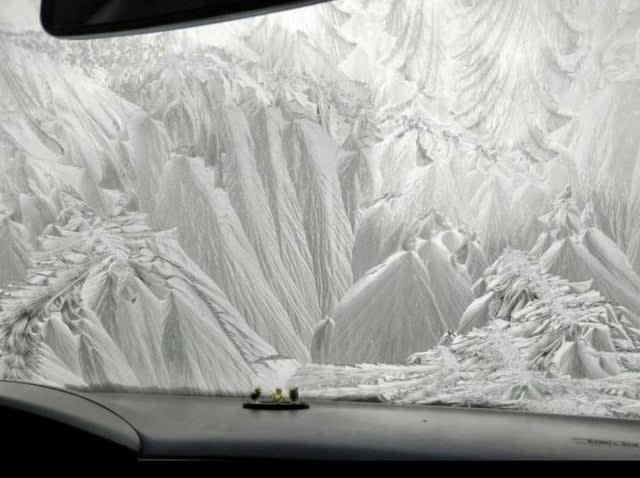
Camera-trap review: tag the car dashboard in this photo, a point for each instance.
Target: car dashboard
(155, 427)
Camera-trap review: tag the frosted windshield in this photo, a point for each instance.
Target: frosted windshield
(428, 201)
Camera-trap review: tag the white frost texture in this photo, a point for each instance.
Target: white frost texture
(405, 201)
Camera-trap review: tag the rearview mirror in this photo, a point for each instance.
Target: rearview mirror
(103, 18)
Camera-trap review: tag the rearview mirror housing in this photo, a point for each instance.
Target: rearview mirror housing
(106, 18)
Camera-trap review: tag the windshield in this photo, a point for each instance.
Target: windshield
(425, 202)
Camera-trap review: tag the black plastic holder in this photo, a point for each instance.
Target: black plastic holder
(275, 405)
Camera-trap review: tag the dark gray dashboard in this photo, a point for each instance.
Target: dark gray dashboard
(158, 426)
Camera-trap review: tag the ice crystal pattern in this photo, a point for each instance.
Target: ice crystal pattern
(429, 201)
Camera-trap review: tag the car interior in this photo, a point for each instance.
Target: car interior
(318, 231)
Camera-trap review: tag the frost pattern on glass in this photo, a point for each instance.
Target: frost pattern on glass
(428, 201)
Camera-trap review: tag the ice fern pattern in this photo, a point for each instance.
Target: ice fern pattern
(426, 201)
